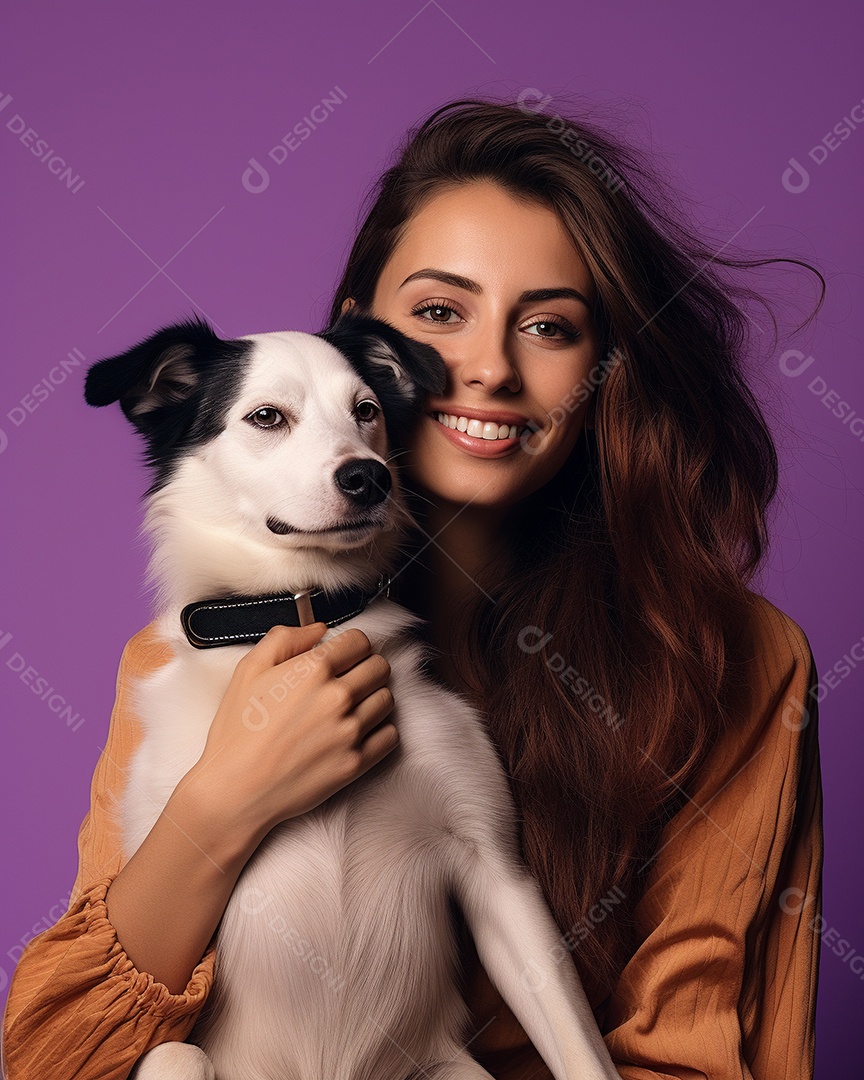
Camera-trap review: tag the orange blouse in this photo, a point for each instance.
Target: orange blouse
(722, 986)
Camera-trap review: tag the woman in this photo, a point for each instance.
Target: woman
(585, 585)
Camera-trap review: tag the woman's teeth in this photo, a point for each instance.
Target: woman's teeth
(480, 430)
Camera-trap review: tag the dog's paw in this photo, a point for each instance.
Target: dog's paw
(174, 1061)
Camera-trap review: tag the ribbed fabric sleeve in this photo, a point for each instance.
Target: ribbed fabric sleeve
(724, 984)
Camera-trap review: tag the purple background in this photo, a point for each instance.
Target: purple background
(158, 108)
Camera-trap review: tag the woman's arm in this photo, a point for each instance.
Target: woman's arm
(78, 1006)
(167, 901)
(81, 1006)
(724, 983)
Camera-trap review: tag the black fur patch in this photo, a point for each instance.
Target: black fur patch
(175, 387)
(374, 347)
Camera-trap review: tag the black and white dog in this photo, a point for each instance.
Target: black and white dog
(274, 500)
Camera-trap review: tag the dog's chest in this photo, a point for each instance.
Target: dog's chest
(339, 925)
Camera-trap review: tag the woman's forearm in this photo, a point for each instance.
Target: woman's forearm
(167, 901)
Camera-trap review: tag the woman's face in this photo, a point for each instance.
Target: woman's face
(498, 288)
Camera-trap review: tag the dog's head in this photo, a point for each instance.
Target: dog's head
(270, 445)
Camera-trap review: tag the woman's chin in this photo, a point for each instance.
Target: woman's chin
(467, 487)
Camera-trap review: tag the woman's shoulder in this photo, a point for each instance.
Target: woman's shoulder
(773, 725)
(778, 640)
(783, 703)
(758, 789)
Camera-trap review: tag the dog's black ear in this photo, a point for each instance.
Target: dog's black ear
(154, 377)
(399, 369)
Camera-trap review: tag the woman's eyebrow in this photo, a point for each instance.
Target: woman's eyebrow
(530, 296)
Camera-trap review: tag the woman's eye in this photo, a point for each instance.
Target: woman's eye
(437, 308)
(366, 411)
(440, 312)
(547, 325)
(266, 417)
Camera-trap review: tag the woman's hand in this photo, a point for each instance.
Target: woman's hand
(299, 721)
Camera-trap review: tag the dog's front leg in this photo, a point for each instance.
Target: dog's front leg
(520, 948)
(174, 1061)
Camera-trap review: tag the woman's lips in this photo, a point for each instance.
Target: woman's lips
(478, 446)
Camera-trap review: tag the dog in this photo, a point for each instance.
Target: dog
(336, 955)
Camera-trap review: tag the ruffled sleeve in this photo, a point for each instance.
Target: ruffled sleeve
(723, 985)
(78, 1008)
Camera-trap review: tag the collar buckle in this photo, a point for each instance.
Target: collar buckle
(303, 600)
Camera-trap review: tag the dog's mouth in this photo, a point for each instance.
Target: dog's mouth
(282, 528)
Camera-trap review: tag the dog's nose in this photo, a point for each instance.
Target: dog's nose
(363, 480)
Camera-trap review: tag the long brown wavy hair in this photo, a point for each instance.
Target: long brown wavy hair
(612, 658)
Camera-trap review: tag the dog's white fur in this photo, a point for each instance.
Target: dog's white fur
(336, 957)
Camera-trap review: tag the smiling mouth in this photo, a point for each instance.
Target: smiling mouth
(487, 430)
(275, 525)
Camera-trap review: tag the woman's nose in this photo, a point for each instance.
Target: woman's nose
(486, 363)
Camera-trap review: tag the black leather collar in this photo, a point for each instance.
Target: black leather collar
(235, 620)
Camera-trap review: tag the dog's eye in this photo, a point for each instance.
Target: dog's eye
(266, 417)
(366, 410)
